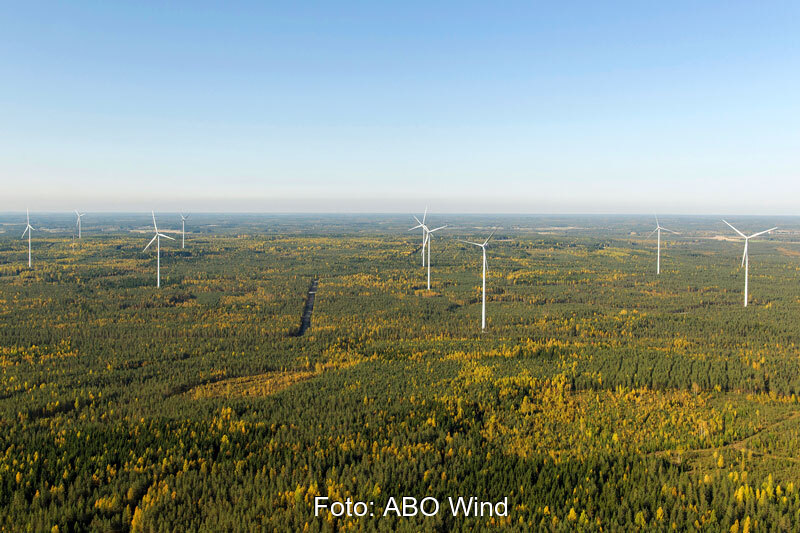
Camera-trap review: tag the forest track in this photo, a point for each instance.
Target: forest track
(308, 310)
(740, 445)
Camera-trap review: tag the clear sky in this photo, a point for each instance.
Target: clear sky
(530, 107)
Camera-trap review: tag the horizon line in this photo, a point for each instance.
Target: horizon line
(396, 213)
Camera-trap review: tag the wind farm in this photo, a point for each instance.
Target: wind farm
(545, 311)
(592, 326)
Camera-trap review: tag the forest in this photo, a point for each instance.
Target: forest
(601, 397)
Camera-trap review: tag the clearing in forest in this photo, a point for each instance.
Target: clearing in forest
(250, 386)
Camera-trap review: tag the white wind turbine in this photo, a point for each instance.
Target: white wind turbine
(746, 255)
(424, 232)
(28, 230)
(483, 305)
(79, 222)
(183, 230)
(428, 243)
(157, 239)
(659, 229)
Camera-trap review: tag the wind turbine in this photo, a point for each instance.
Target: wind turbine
(483, 305)
(746, 255)
(659, 229)
(28, 230)
(157, 239)
(428, 242)
(79, 222)
(424, 232)
(183, 230)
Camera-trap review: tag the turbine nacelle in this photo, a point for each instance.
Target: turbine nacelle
(429, 231)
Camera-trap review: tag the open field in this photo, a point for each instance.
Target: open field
(600, 396)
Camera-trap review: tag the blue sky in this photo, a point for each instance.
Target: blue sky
(560, 107)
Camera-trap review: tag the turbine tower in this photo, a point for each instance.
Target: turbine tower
(746, 255)
(157, 239)
(79, 222)
(28, 230)
(659, 229)
(483, 292)
(183, 230)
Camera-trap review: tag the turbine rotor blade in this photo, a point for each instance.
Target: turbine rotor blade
(437, 229)
(670, 231)
(734, 229)
(762, 232)
(489, 237)
(154, 221)
(470, 242)
(165, 236)
(651, 233)
(151, 242)
(425, 214)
